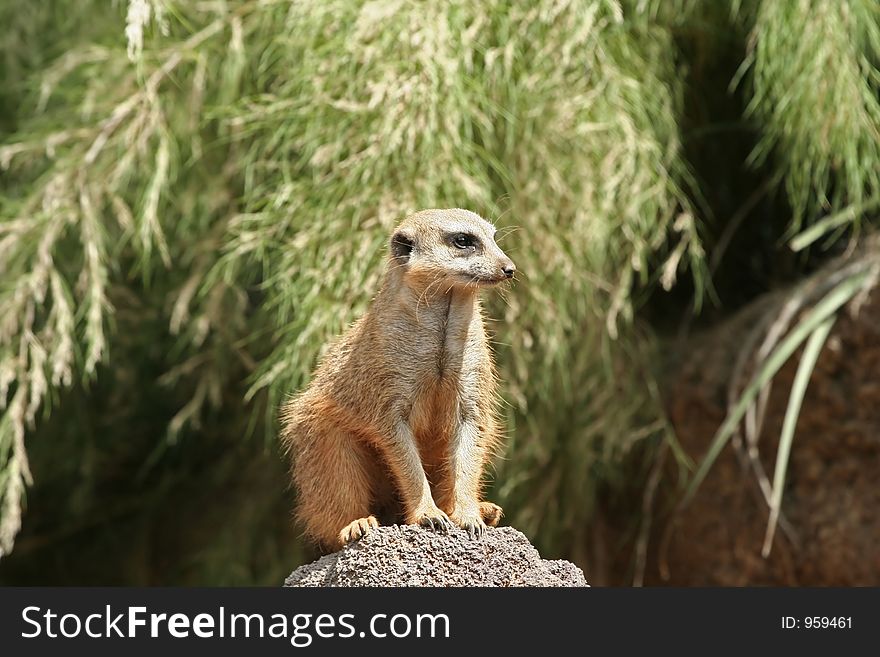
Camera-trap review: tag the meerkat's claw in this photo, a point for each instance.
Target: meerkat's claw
(439, 522)
(357, 529)
(471, 522)
(476, 529)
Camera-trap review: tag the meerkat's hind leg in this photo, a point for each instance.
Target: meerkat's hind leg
(491, 513)
(343, 511)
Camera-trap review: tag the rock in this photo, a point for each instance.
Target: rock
(411, 556)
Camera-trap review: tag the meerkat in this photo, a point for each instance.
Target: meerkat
(399, 420)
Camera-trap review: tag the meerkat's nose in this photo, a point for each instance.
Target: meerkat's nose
(508, 268)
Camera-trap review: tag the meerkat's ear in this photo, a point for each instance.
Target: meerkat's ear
(402, 246)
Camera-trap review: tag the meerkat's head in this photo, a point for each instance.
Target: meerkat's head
(448, 249)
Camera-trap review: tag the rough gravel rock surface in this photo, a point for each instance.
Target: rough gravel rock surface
(411, 556)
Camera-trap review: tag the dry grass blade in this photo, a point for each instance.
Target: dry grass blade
(798, 389)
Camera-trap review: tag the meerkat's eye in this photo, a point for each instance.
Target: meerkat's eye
(464, 241)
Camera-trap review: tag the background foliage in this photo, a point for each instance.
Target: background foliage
(196, 196)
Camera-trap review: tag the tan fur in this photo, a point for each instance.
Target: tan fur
(399, 420)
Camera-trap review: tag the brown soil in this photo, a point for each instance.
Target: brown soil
(832, 496)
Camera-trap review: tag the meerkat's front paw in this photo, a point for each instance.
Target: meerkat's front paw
(356, 529)
(471, 522)
(433, 519)
(491, 513)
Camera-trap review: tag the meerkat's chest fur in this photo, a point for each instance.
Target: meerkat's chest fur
(449, 333)
(444, 355)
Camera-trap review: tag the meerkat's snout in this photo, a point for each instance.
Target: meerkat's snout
(505, 265)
